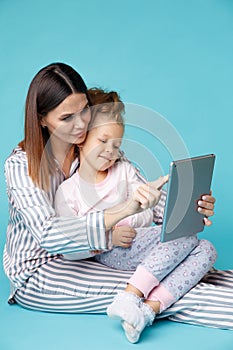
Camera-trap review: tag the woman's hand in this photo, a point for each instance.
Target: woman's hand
(206, 207)
(123, 236)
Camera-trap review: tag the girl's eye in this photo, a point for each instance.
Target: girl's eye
(116, 147)
(103, 141)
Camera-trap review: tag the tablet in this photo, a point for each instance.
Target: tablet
(189, 179)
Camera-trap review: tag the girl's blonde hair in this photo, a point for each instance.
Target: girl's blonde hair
(107, 103)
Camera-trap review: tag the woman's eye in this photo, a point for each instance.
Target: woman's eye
(102, 140)
(68, 118)
(85, 111)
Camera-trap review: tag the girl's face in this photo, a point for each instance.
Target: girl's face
(68, 122)
(101, 147)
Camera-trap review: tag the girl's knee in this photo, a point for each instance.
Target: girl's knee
(208, 249)
(193, 239)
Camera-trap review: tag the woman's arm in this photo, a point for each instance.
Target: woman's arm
(32, 208)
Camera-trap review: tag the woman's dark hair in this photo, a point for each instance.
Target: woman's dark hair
(51, 85)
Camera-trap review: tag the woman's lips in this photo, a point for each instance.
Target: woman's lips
(106, 158)
(79, 135)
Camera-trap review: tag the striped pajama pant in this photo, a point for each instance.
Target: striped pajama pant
(86, 286)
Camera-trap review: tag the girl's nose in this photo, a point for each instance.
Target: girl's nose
(109, 148)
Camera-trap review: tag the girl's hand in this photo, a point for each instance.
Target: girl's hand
(206, 207)
(148, 195)
(123, 236)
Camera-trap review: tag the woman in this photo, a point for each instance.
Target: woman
(56, 120)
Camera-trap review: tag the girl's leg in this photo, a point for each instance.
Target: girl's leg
(185, 276)
(160, 261)
(147, 247)
(129, 258)
(176, 284)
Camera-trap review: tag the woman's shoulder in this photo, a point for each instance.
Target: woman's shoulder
(17, 156)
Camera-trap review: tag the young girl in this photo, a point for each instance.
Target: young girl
(164, 271)
(103, 178)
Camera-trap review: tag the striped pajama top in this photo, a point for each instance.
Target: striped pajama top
(35, 235)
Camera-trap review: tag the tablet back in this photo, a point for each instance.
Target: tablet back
(189, 179)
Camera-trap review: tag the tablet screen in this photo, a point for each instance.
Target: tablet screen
(189, 179)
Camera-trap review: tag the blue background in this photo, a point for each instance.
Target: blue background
(173, 57)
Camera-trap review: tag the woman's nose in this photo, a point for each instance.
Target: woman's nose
(79, 122)
(83, 118)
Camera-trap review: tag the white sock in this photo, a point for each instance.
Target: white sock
(147, 317)
(126, 307)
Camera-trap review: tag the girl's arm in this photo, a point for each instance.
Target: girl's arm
(143, 219)
(144, 197)
(146, 217)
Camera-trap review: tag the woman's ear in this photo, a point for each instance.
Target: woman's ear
(42, 123)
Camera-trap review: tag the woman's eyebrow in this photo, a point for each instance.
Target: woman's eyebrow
(82, 109)
(86, 105)
(66, 114)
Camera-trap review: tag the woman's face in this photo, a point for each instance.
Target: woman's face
(68, 122)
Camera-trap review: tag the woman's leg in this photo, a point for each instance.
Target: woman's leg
(209, 303)
(82, 286)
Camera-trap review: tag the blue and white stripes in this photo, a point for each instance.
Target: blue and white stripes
(61, 285)
(210, 303)
(96, 231)
(86, 286)
(35, 235)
